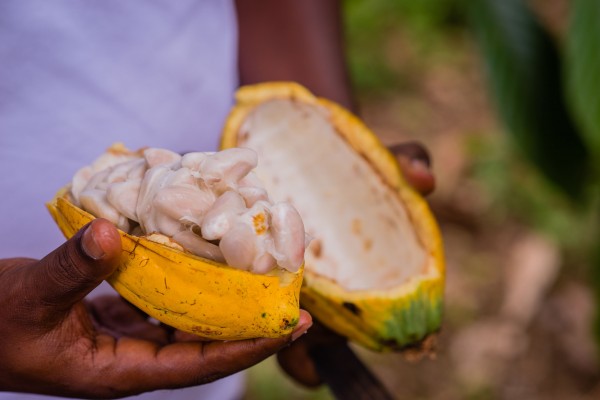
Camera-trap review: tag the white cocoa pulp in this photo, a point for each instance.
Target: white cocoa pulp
(210, 204)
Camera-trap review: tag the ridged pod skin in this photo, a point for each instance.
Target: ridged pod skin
(379, 319)
(193, 294)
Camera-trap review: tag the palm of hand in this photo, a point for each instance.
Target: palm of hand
(55, 342)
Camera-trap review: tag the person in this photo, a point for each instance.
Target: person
(79, 76)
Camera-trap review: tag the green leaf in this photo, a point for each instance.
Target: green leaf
(582, 62)
(524, 72)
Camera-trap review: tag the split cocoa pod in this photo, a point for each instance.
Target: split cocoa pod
(204, 248)
(374, 271)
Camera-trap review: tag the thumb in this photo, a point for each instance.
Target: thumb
(70, 272)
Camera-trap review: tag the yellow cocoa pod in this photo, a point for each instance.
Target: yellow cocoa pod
(191, 293)
(374, 271)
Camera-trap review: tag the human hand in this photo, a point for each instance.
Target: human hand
(295, 360)
(54, 342)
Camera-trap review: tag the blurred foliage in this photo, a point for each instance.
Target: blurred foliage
(549, 101)
(518, 192)
(525, 73)
(582, 59)
(375, 28)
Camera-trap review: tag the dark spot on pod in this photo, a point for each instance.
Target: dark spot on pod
(352, 307)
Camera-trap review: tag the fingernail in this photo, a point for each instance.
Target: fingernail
(419, 165)
(297, 333)
(411, 151)
(90, 245)
(304, 323)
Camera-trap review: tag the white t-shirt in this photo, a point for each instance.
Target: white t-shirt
(77, 76)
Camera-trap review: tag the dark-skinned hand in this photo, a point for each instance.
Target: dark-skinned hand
(295, 360)
(56, 342)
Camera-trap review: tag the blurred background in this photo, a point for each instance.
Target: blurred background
(506, 96)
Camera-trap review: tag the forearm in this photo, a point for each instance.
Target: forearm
(294, 40)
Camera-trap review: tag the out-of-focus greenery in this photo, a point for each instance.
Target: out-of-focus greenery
(582, 61)
(549, 101)
(375, 28)
(518, 192)
(524, 71)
